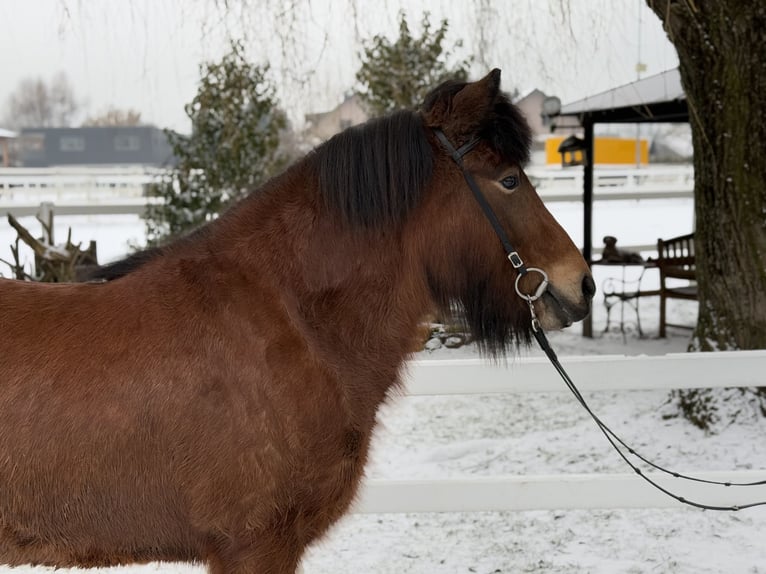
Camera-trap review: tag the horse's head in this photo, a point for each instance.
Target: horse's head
(465, 260)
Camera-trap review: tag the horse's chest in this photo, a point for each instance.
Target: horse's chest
(332, 486)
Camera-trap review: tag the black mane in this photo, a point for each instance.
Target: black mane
(373, 174)
(507, 131)
(122, 267)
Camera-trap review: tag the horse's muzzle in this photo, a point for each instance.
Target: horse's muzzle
(560, 312)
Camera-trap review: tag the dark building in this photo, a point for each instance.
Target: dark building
(112, 145)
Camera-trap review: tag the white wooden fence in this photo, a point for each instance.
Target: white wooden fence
(76, 190)
(593, 373)
(610, 183)
(121, 190)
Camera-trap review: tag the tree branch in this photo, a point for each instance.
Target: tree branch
(41, 250)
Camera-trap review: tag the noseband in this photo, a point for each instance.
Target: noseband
(521, 269)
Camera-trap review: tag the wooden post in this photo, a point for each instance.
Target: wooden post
(587, 206)
(45, 217)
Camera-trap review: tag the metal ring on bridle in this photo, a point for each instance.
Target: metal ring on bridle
(540, 288)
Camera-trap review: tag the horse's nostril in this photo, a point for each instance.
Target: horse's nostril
(588, 287)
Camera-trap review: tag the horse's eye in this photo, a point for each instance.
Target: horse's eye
(510, 182)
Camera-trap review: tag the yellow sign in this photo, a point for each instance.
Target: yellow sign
(607, 151)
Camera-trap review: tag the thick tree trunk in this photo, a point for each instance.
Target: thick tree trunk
(721, 46)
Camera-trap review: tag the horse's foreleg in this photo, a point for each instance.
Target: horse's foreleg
(263, 556)
(256, 566)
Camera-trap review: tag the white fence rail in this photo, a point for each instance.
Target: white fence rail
(76, 190)
(603, 177)
(546, 492)
(614, 184)
(593, 373)
(63, 183)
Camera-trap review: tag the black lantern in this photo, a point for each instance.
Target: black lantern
(573, 152)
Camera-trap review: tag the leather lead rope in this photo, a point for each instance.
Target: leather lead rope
(616, 442)
(542, 340)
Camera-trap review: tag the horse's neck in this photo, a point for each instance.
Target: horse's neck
(354, 297)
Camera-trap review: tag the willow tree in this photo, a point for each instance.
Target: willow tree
(721, 48)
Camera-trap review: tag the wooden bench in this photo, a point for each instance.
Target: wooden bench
(675, 260)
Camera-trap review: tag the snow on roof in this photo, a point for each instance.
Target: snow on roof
(663, 87)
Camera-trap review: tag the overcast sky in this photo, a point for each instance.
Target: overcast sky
(144, 54)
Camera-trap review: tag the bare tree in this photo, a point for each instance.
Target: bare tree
(36, 103)
(115, 117)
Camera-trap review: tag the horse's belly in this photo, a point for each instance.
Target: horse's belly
(88, 504)
(102, 542)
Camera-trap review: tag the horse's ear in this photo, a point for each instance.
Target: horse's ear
(478, 95)
(462, 112)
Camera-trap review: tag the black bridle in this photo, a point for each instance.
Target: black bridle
(521, 269)
(510, 252)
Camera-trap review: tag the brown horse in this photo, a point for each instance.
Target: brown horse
(214, 399)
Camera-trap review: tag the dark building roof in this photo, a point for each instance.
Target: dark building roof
(658, 98)
(112, 145)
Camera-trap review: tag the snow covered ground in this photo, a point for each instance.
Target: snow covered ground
(549, 434)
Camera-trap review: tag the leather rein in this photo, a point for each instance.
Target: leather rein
(521, 270)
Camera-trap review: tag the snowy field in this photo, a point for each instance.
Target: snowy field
(543, 434)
